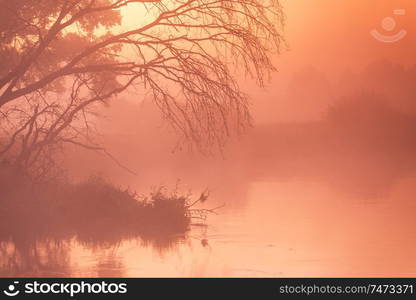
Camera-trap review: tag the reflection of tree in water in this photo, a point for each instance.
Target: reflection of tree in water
(108, 264)
(95, 215)
(51, 257)
(27, 257)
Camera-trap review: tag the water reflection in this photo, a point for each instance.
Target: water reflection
(42, 257)
(34, 258)
(357, 223)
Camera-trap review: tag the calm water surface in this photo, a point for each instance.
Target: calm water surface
(280, 229)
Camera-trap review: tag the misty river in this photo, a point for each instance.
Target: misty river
(277, 228)
(309, 158)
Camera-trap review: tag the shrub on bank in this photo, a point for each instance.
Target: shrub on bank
(93, 211)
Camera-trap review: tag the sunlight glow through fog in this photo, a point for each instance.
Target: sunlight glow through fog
(135, 14)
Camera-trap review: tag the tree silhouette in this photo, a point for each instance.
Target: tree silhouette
(61, 58)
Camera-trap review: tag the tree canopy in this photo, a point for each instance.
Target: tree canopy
(61, 58)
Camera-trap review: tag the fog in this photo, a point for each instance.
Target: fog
(327, 167)
(329, 55)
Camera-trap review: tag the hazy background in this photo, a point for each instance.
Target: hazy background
(322, 185)
(330, 54)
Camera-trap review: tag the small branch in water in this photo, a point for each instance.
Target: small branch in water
(205, 210)
(201, 213)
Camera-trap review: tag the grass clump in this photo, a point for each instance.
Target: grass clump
(93, 211)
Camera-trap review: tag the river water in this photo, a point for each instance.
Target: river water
(272, 228)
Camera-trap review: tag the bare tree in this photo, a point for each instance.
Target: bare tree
(62, 58)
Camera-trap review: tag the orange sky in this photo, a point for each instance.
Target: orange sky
(335, 34)
(331, 36)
